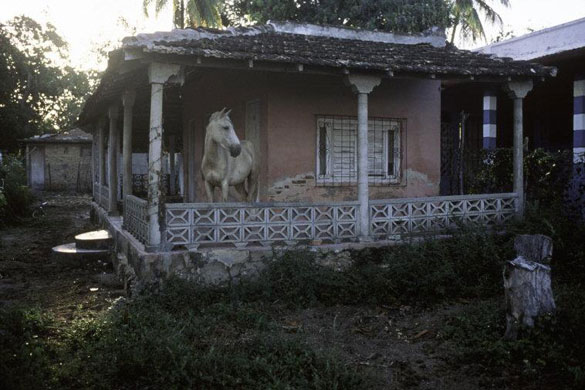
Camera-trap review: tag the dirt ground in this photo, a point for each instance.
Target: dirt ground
(31, 275)
(399, 346)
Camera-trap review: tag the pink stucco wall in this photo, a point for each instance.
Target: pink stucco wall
(289, 106)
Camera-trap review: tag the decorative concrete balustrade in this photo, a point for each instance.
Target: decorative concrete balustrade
(135, 221)
(397, 217)
(191, 225)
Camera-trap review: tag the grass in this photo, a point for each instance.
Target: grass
(153, 343)
(187, 337)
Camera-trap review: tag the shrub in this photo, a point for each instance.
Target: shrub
(25, 361)
(467, 265)
(547, 174)
(550, 354)
(15, 196)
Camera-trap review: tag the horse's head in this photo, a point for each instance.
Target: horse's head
(221, 130)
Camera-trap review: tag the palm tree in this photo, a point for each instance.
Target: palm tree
(191, 13)
(466, 14)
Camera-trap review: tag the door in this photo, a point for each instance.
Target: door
(37, 168)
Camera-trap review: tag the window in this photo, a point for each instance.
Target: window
(337, 150)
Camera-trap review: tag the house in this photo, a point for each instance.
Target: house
(59, 162)
(346, 122)
(554, 113)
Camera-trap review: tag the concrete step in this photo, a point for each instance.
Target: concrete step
(94, 240)
(72, 249)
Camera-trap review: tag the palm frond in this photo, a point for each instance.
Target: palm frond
(489, 12)
(204, 13)
(145, 6)
(159, 5)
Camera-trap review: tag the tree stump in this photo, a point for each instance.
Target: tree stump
(527, 283)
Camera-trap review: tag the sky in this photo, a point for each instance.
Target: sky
(88, 23)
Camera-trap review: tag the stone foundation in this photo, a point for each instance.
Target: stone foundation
(208, 267)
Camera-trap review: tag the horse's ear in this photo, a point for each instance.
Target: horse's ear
(222, 112)
(227, 112)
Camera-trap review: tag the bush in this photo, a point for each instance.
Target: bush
(547, 174)
(15, 196)
(551, 353)
(465, 266)
(25, 361)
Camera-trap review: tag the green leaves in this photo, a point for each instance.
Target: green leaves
(387, 15)
(38, 91)
(466, 15)
(189, 13)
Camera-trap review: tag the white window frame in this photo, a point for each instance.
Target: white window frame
(386, 178)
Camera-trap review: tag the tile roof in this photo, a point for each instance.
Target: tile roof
(313, 46)
(71, 136)
(335, 49)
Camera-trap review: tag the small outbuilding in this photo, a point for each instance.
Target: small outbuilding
(59, 162)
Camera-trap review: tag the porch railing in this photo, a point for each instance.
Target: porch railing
(194, 224)
(135, 218)
(435, 214)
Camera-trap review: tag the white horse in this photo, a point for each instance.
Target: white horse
(227, 161)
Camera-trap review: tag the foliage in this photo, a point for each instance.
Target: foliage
(190, 13)
(38, 93)
(15, 196)
(386, 15)
(185, 336)
(567, 234)
(547, 174)
(25, 357)
(467, 265)
(552, 352)
(157, 342)
(466, 15)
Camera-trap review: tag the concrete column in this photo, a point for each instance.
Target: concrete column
(489, 120)
(578, 179)
(113, 161)
(158, 75)
(579, 118)
(172, 165)
(128, 101)
(362, 85)
(186, 157)
(155, 163)
(518, 91)
(101, 158)
(193, 172)
(189, 171)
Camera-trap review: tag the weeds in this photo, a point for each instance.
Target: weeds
(184, 336)
(551, 352)
(15, 196)
(155, 342)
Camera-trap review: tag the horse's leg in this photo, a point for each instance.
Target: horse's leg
(240, 192)
(209, 191)
(252, 187)
(225, 188)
